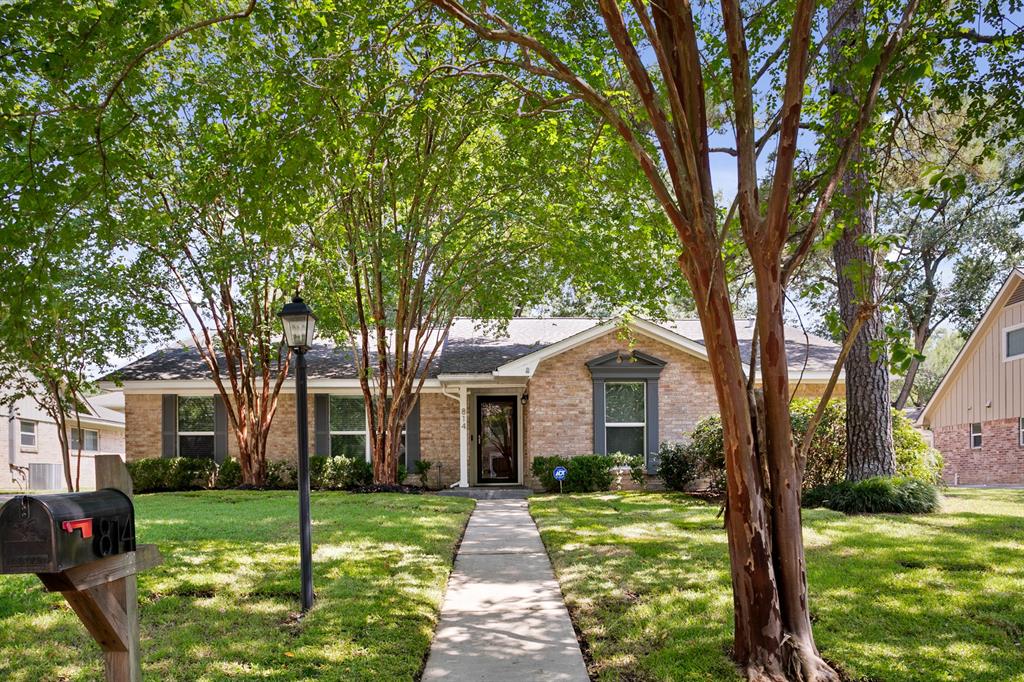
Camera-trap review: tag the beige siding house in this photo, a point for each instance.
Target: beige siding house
(30, 454)
(977, 412)
(494, 399)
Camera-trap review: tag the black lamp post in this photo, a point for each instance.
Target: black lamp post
(299, 324)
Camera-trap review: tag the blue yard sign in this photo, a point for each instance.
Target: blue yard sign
(559, 475)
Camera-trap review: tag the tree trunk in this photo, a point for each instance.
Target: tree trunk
(758, 635)
(869, 445)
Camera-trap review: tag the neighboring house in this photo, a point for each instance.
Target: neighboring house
(546, 386)
(30, 455)
(977, 412)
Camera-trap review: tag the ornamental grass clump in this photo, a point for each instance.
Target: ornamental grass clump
(879, 495)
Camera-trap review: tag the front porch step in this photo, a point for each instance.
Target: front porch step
(489, 493)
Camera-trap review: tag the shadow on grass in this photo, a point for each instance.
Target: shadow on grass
(223, 605)
(893, 598)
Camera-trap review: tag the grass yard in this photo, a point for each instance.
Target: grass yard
(927, 598)
(222, 604)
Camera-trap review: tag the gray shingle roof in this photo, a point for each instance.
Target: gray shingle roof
(477, 347)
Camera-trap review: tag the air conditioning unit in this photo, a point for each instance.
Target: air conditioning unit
(44, 476)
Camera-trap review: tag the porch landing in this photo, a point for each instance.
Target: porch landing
(489, 492)
(503, 618)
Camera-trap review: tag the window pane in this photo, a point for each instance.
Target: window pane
(624, 403)
(347, 413)
(92, 440)
(195, 413)
(75, 440)
(195, 446)
(28, 434)
(1015, 343)
(627, 439)
(349, 446)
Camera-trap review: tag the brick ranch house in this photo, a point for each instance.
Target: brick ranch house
(977, 412)
(546, 386)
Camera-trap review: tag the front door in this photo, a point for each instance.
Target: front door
(496, 458)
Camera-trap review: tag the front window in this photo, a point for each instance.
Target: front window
(196, 426)
(348, 426)
(625, 417)
(85, 439)
(1015, 343)
(1020, 440)
(975, 435)
(28, 434)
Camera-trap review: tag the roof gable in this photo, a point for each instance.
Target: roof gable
(1011, 293)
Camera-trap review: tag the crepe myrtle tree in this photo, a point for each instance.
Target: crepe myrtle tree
(433, 207)
(661, 77)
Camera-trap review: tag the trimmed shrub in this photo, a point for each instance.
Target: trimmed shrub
(403, 473)
(914, 457)
(879, 495)
(585, 473)
(190, 473)
(281, 475)
(826, 460)
(362, 473)
(678, 465)
(707, 448)
(151, 475)
(229, 475)
(635, 463)
(423, 471)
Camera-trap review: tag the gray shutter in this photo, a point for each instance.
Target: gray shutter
(321, 424)
(599, 432)
(220, 429)
(169, 426)
(652, 426)
(412, 438)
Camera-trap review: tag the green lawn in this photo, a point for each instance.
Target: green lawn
(222, 605)
(926, 598)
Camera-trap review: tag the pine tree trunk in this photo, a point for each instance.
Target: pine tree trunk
(869, 445)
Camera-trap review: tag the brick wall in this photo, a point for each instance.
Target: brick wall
(439, 436)
(561, 397)
(144, 425)
(999, 460)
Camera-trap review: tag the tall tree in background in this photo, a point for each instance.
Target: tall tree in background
(661, 114)
(869, 444)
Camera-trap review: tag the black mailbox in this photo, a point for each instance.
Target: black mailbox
(52, 533)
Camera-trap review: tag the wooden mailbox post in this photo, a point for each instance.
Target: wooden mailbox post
(102, 591)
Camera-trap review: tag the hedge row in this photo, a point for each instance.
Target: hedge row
(586, 473)
(184, 473)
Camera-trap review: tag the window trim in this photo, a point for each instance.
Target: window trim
(1006, 343)
(177, 425)
(1020, 431)
(972, 435)
(625, 425)
(83, 440)
(21, 435)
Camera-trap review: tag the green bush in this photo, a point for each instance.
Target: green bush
(403, 473)
(423, 471)
(914, 457)
(678, 465)
(229, 475)
(707, 448)
(826, 458)
(636, 466)
(281, 475)
(362, 473)
(190, 473)
(585, 473)
(896, 495)
(151, 475)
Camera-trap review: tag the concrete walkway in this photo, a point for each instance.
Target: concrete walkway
(503, 617)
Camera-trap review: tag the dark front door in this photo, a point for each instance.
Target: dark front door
(496, 439)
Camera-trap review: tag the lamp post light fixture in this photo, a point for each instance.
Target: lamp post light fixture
(299, 324)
